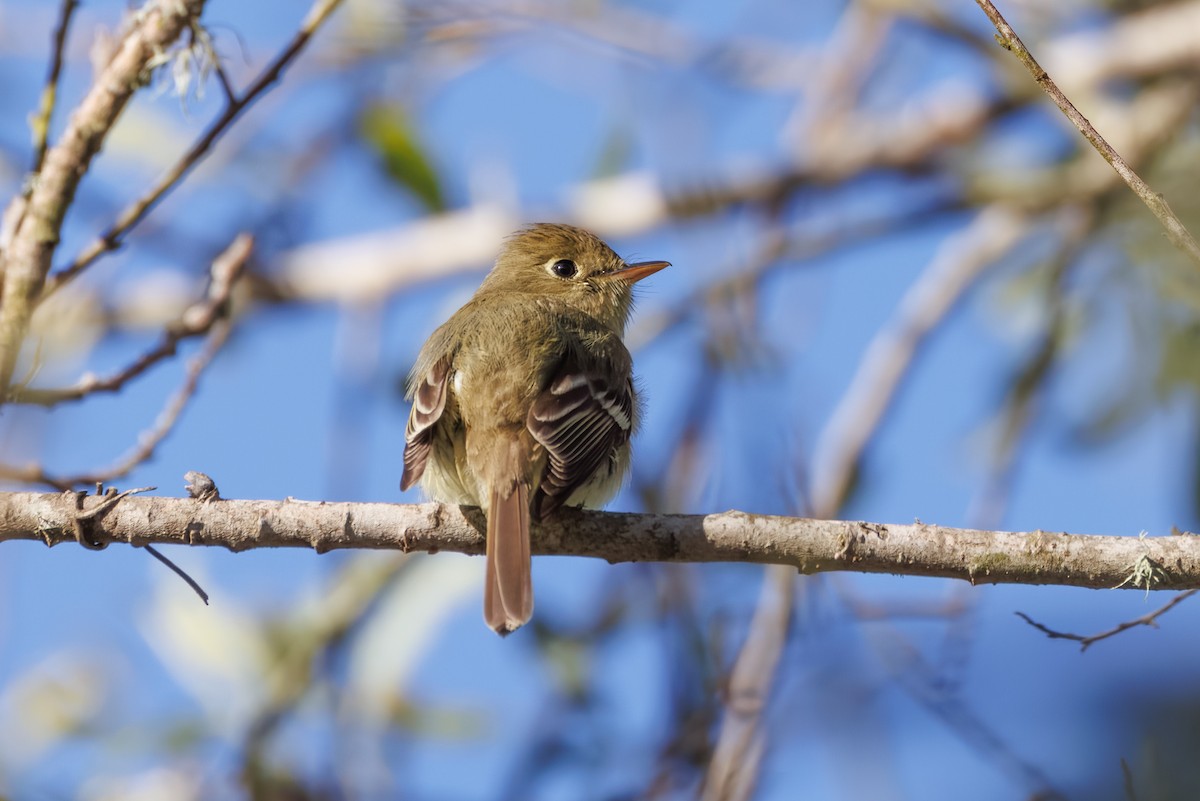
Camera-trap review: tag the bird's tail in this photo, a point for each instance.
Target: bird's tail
(507, 588)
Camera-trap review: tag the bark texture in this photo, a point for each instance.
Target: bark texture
(810, 546)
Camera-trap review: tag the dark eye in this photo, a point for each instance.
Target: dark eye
(564, 268)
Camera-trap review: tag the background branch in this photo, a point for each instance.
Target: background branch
(133, 214)
(41, 120)
(35, 237)
(1176, 231)
(150, 439)
(195, 321)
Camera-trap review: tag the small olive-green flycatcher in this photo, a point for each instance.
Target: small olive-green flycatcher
(523, 401)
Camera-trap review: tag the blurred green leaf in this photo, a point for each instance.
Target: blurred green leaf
(443, 722)
(616, 153)
(1180, 363)
(388, 130)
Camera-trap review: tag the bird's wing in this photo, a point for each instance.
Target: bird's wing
(429, 400)
(581, 420)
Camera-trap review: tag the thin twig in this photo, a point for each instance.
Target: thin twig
(1086, 640)
(1176, 231)
(111, 238)
(196, 321)
(149, 440)
(83, 523)
(41, 120)
(111, 499)
(179, 571)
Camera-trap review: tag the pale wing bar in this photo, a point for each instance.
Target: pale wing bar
(581, 421)
(429, 401)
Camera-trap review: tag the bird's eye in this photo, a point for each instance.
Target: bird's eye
(564, 268)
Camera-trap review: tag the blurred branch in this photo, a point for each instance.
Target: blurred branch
(927, 686)
(41, 120)
(133, 214)
(807, 545)
(737, 757)
(1027, 386)
(149, 440)
(952, 272)
(778, 251)
(1140, 44)
(197, 320)
(383, 262)
(626, 31)
(1085, 641)
(855, 141)
(854, 422)
(308, 640)
(1176, 232)
(38, 218)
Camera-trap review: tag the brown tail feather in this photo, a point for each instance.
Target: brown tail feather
(508, 589)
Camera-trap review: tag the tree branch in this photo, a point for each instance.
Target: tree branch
(1179, 235)
(953, 271)
(810, 546)
(197, 320)
(40, 122)
(1087, 640)
(111, 238)
(35, 236)
(150, 439)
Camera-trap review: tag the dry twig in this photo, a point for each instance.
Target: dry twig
(1086, 640)
(1178, 234)
(196, 321)
(148, 441)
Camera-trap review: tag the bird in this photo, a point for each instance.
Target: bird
(524, 402)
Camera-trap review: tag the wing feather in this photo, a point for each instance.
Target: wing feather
(581, 421)
(429, 401)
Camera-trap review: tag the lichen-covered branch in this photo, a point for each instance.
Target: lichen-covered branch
(810, 546)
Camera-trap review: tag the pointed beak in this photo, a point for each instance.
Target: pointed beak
(632, 273)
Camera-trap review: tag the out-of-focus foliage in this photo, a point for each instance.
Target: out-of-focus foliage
(388, 131)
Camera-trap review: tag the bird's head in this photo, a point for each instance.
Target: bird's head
(574, 266)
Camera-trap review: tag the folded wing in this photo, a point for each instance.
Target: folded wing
(429, 401)
(581, 420)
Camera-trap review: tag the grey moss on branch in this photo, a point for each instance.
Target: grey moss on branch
(810, 546)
